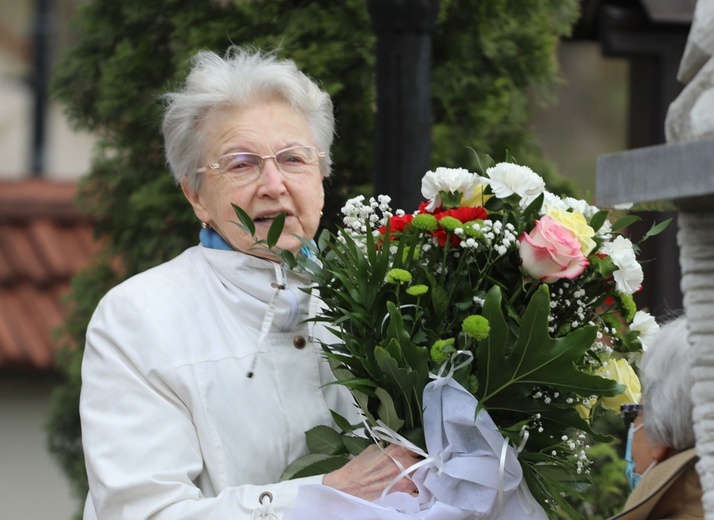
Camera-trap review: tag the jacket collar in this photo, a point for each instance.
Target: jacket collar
(254, 284)
(654, 486)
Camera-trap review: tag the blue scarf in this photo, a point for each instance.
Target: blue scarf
(212, 240)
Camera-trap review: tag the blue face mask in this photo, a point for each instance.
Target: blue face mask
(632, 477)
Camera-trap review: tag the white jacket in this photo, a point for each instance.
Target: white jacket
(172, 426)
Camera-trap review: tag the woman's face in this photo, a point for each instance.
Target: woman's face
(264, 128)
(644, 453)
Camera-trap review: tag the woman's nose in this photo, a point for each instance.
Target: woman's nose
(271, 177)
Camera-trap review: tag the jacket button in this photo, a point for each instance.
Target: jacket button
(299, 342)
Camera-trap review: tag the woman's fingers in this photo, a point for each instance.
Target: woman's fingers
(367, 475)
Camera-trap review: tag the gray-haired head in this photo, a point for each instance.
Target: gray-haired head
(241, 78)
(666, 374)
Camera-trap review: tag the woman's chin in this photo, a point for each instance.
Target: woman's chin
(291, 243)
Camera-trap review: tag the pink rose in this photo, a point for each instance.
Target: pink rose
(551, 251)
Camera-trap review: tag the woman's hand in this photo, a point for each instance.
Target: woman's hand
(368, 474)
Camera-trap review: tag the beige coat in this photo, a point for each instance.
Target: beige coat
(670, 490)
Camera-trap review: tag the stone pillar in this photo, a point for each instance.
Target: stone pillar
(696, 241)
(682, 171)
(691, 117)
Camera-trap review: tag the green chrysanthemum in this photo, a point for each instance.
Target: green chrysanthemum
(425, 222)
(442, 349)
(451, 224)
(626, 304)
(476, 326)
(398, 276)
(472, 231)
(417, 290)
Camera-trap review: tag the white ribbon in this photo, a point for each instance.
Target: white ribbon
(453, 492)
(454, 367)
(386, 316)
(382, 432)
(502, 469)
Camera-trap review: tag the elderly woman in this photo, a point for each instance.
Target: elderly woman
(660, 451)
(201, 376)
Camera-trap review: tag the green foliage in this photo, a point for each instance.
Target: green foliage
(487, 59)
(329, 450)
(64, 435)
(609, 489)
(479, 315)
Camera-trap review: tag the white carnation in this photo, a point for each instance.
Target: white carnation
(551, 200)
(605, 231)
(628, 275)
(506, 179)
(582, 206)
(647, 327)
(449, 180)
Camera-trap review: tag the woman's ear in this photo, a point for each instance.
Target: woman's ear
(195, 199)
(660, 453)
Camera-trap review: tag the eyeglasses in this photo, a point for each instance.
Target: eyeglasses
(247, 166)
(629, 412)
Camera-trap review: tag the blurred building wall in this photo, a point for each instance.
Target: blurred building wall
(32, 486)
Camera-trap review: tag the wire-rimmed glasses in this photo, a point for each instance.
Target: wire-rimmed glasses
(628, 412)
(247, 166)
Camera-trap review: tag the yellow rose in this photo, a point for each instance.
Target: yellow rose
(575, 222)
(586, 407)
(621, 372)
(476, 198)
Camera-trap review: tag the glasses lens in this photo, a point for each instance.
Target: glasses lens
(241, 164)
(297, 159)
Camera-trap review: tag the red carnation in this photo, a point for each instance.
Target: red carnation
(397, 224)
(464, 213)
(440, 236)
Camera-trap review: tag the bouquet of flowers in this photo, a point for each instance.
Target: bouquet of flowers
(518, 300)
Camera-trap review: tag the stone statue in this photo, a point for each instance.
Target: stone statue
(691, 116)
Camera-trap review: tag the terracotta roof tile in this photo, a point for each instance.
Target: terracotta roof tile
(44, 240)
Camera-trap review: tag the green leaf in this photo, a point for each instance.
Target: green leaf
(402, 378)
(656, 229)
(276, 229)
(245, 221)
(363, 402)
(598, 219)
(356, 445)
(537, 359)
(323, 439)
(387, 411)
(483, 161)
(625, 221)
(439, 299)
(363, 385)
(342, 423)
(324, 240)
(398, 333)
(313, 464)
(288, 258)
(491, 350)
(534, 207)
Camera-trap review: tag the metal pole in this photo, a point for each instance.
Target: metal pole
(41, 40)
(403, 129)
